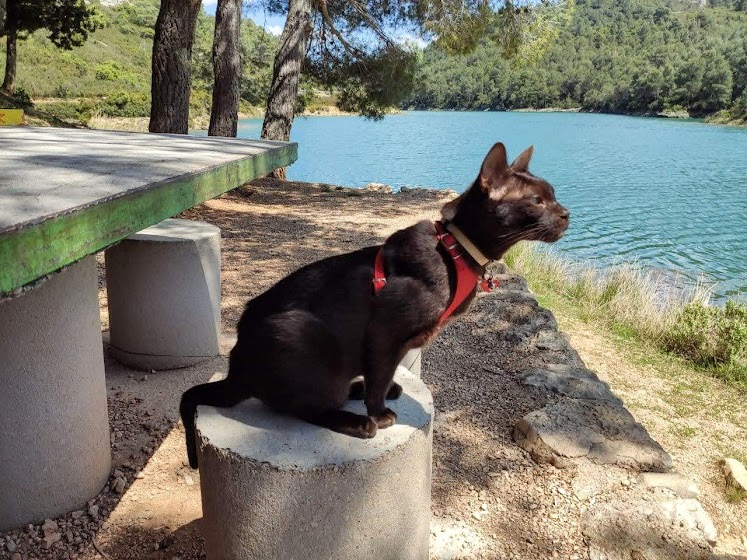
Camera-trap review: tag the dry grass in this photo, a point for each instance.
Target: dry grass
(635, 303)
(130, 124)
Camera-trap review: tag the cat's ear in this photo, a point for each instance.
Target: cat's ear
(521, 163)
(449, 210)
(494, 170)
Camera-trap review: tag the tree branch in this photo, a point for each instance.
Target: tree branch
(321, 5)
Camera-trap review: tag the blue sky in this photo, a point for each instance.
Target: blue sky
(272, 23)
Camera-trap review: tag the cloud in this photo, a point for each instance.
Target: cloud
(411, 39)
(274, 29)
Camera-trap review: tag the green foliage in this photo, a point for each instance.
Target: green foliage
(636, 306)
(370, 86)
(623, 56)
(712, 337)
(67, 22)
(124, 104)
(111, 71)
(21, 98)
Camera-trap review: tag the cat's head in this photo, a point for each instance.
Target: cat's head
(506, 204)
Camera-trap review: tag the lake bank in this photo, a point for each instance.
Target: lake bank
(722, 118)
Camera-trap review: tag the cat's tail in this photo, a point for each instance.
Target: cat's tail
(219, 393)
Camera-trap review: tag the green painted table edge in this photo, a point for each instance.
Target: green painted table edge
(32, 250)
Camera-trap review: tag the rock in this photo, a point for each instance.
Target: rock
(49, 526)
(118, 474)
(656, 531)
(675, 482)
(10, 545)
(77, 514)
(602, 430)
(379, 188)
(16, 556)
(736, 474)
(93, 511)
(49, 539)
(636, 453)
(572, 382)
(119, 485)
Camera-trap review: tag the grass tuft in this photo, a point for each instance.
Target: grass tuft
(735, 494)
(634, 303)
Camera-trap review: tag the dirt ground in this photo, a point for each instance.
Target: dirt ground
(490, 500)
(698, 419)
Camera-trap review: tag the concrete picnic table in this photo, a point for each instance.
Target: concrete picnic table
(66, 194)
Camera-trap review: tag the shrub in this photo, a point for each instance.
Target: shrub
(22, 98)
(109, 72)
(124, 104)
(712, 337)
(629, 300)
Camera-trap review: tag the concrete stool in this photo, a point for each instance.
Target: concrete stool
(54, 429)
(276, 487)
(163, 285)
(413, 361)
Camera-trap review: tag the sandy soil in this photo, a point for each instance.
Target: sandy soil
(490, 500)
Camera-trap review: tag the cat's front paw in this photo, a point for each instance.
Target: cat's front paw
(385, 419)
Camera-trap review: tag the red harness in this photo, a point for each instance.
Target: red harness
(467, 278)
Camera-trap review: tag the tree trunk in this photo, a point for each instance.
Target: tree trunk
(286, 73)
(9, 82)
(224, 115)
(172, 66)
(2, 15)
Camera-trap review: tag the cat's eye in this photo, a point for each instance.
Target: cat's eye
(536, 199)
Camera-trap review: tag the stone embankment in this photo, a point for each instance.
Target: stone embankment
(584, 427)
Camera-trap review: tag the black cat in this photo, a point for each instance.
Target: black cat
(301, 343)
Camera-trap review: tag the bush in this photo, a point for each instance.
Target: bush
(712, 337)
(124, 104)
(70, 110)
(108, 72)
(629, 300)
(22, 98)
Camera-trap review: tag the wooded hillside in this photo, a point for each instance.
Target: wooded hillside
(620, 56)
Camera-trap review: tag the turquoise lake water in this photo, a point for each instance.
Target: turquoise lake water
(671, 195)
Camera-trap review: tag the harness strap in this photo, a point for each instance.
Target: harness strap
(379, 279)
(467, 278)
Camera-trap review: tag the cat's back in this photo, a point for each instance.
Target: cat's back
(315, 282)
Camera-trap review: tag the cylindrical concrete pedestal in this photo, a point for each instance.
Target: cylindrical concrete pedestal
(54, 429)
(276, 487)
(413, 361)
(163, 285)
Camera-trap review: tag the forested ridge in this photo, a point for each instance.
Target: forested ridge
(615, 56)
(619, 56)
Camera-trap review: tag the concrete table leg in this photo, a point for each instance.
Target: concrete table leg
(276, 487)
(54, 428)
(163, 285)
